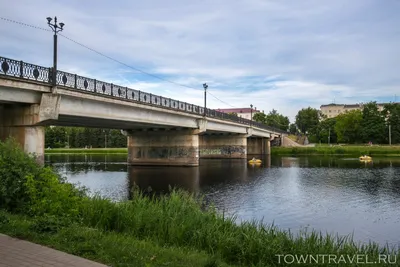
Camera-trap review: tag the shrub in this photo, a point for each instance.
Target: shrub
(25, 186)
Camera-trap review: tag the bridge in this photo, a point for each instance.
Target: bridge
(160, 130)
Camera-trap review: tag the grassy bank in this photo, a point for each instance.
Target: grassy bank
(168, 228)
(338, 150)
(112, 248)
(87, 151)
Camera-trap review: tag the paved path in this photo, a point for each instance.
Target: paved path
(19, 253)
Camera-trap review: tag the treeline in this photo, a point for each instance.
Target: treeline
(80, 137)
(356, 126)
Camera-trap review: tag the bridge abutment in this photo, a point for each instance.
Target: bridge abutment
(223, 146)
(19, 122)
(163, 148)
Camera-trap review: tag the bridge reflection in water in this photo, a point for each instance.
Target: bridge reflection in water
(213, 171)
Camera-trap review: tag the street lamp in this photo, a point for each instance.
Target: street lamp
(251, 114)
(56, 28)
(205, 86)
(105, 138)
(390, 130)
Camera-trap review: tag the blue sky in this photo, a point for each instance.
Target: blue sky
(285, 55)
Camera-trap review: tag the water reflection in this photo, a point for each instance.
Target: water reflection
(330, 194)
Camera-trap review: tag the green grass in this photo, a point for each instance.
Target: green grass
(87, 151)
(338, 150)
(111, 248)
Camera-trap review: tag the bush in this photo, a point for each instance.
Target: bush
(25, 186)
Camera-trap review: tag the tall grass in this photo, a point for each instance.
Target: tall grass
(175, 220)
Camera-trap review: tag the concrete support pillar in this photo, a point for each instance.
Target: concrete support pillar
(267, 146)
(163, 148)
(223, 146)
(19, 122)
(255, 146)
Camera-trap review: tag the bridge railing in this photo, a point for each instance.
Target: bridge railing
(23, 70)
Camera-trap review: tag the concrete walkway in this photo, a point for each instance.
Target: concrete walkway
(19, 253)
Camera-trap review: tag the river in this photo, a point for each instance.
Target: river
(336, 195)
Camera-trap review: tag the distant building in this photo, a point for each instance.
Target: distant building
(241, 112)
(332, 110)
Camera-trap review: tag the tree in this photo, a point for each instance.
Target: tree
(292, 128)
(392, 113)
(326, 131)
(260, 117)
(233, 113)
(307, 120)
(348, 126)
(373, 124)
(274, 119)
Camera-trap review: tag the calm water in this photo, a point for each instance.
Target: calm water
(334, 195)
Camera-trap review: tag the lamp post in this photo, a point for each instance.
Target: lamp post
(56, 28)
(251, 114)
(390, 130)
(105, 138)
(205, 86)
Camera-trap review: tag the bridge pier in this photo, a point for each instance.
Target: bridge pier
(163, 148)
(223, 146)
(19, 121)
(258, 146)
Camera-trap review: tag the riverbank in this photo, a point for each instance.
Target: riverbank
(392, 151)
(86, 151)
(40, 206)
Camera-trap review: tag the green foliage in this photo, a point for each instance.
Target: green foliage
(15, 167)
(373, 124)
(273, 119)
(77, 137)
(338, 150)
(49, 224)
(348, 126)
(293, 128)
(260, 117)
(392, 113)
(28, 187)
(307, 120)
(326, 131)
(87, 151)
(110, 248)
(233, 113)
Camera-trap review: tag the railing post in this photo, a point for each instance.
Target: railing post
(76, 81)
(126, 92)
(95, 85)
(21, 69)
(50, 77)
(112, 89)
(139, 96)
(151, 99)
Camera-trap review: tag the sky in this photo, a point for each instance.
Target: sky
(284, 55)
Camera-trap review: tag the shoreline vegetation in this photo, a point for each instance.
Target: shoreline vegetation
(176, 229)
(121, 150)
(389, 151)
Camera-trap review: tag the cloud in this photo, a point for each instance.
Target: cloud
(285, 55)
